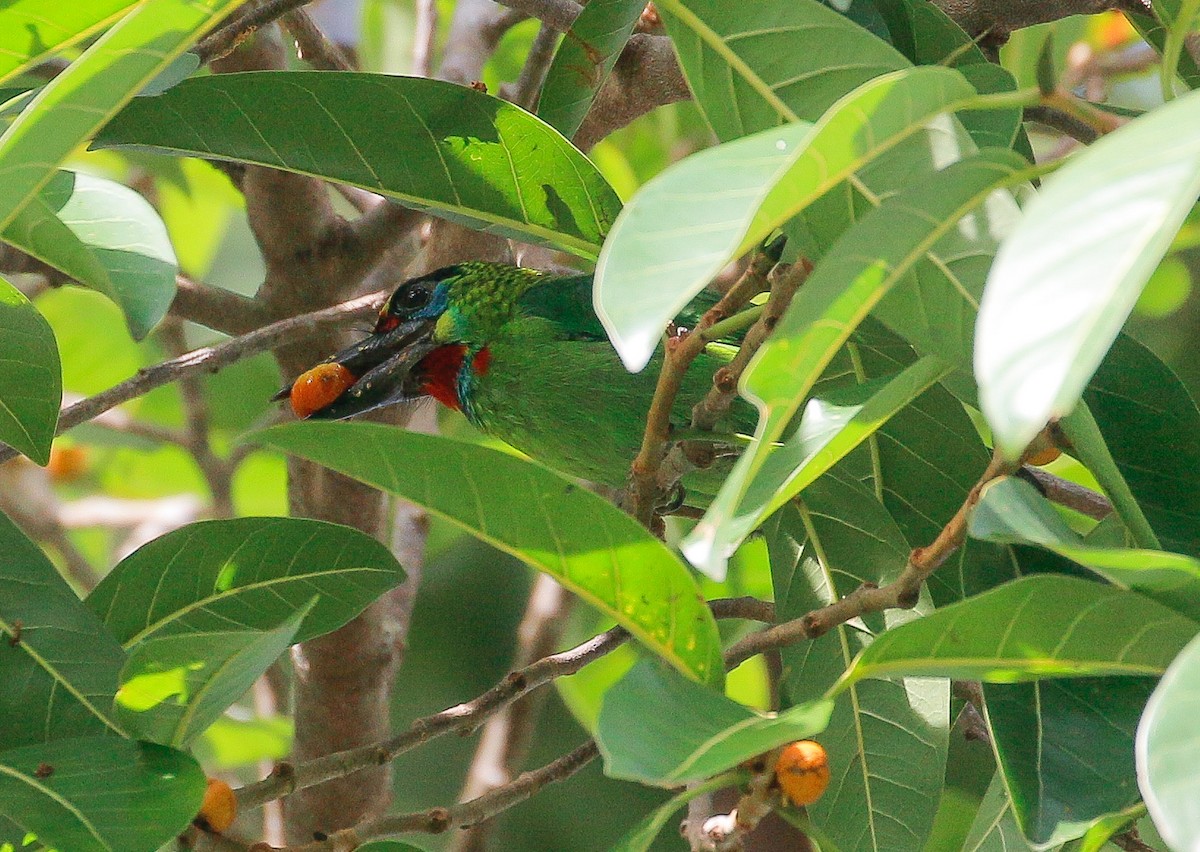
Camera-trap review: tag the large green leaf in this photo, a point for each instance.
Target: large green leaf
(78, 101)
(733, 196)
(105, 236)
(584, 59)
(1152, 428)
(1168, 751)
(864, 264)
(831, 426)
(538, 516)
(98, 794)
(1011, 511)
(1065, 747)
(887, 739)
(691, 733)
(58, 663)
(778, 63)
(466, 156)
(1064, 282)
(174, 687)
(32, 30)
(1033, 627)
(30, 376)
(244, 574)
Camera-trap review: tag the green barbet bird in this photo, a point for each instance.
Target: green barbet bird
(523, 356)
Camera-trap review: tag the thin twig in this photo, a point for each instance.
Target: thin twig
(725, 381)
(533, 73)
(209, 359)
(226, 38)
(1072, 495)
(559, 14)
(901, 593)
(216, 308)
(468, 716)
(312, 45)
(680, 352)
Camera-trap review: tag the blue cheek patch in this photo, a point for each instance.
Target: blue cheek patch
(438, 303)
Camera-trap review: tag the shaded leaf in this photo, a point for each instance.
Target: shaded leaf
(78, 101)
(1064, 282)
(106, 236)
(244, 573)
(58, 663)
(693, 732)
(30, 376)
(887, 740)
(1033, 627)
(1011, 511)
(584, 59)
(467, 157)
(995, 828)
(1066, 750)
(738, 193)
(32, 31)
(1168, 751)
(99, 795)
(849, 281)
(174, 687)
(543, 519)
(642, 836)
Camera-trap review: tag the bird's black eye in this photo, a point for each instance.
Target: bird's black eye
(410, 298)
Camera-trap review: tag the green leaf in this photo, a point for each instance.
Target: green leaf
(1066, 750)
(1031, 628)
(1167, 751)
(78, 101)
(388, 846)
(105, 236)
(466, 156)
(737, 194)
(543, 519)
(584, 59)
(174, 687)
(58, 664)
(692, 733)
(247, 574)
(889, 739)
(1064, 282)
(1152, 428)
(777, 63)
(30, 376)
(995, 828)
(867, 261)
(99, 795)
(830, 428)
(1011, 511)
(34, 30)
(642, 836)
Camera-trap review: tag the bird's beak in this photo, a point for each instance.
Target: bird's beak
(383, 364)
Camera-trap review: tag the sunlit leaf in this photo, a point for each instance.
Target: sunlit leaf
(1168, 751)
(867, 261)
(244, 574)
(547, 521)
(78, 101)
(105, 236)
(466, 156)
(1064, 282)
(33, 30)
(1035, 627)
(693, 733)
(174, 687)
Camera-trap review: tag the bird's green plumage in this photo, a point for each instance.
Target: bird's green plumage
(554, 387)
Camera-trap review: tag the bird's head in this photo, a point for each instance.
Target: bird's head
(431, 335)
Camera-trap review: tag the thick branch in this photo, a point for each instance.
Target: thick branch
(1001, 17)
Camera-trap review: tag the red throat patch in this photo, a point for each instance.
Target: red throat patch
(441, 368)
